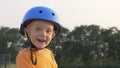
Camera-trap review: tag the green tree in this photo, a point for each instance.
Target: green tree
(9, 38)
(85, 40)
(112, 37)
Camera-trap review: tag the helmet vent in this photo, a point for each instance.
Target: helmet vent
(53, 14)
(40, 11)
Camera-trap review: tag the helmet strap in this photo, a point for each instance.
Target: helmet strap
(33, 59)
(31, 44)
(32, 47)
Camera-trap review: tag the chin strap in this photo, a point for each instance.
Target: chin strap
(32, 49)
(33, 59)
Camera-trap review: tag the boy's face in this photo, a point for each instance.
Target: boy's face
(40, 33)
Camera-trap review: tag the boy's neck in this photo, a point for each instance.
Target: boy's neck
(35, 49)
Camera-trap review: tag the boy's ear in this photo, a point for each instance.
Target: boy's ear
(53, 35)
(25, 32)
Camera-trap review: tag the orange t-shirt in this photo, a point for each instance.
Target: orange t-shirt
(45, 59)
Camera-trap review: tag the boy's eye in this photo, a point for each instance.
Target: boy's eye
(37, 29)
(48, 31)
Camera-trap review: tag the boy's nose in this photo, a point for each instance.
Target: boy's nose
(43, 33)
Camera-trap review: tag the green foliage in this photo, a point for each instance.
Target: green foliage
(8, 41)
(88, 45)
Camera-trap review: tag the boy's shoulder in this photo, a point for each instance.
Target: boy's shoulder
(24, 52)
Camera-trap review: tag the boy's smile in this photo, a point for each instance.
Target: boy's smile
(40, 33)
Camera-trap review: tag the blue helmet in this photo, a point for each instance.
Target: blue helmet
(40, 13)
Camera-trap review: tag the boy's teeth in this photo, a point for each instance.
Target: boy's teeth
(41, 40)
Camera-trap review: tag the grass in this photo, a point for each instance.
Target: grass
(12, 66)
(9, 66)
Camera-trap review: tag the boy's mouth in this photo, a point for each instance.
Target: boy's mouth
(41, 40)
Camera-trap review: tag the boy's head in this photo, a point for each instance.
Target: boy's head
(40, 24)
(40, 32)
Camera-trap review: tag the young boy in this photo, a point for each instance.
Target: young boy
(40, 25)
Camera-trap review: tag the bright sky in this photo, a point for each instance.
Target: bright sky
(105, 13)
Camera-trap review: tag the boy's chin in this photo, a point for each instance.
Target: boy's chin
(41, 47)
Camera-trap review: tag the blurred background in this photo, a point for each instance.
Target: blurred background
(89, 38)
